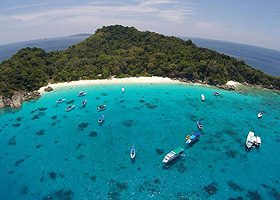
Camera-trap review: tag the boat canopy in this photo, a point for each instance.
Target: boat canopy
(101, 117)
(192, 137)
(132, 151)
(196, 134)
(178, 150)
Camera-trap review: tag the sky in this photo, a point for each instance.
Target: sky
(254, 22)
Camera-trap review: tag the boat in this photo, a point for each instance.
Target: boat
(81, 93)
(260, 115)
(173, 154)
(122, 90)
(199, 125)
(258, 141)
(252, 140)
(69, 108)
(101, 119)
(192, 137)
(132, 153)
(216, 93)
(84, 102)
(101, 107)
(202, 97)
(60, 100)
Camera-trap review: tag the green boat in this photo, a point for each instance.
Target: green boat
(173, 154)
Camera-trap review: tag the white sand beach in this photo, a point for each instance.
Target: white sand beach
(153, 79)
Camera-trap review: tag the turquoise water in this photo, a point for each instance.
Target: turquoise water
(48, 153)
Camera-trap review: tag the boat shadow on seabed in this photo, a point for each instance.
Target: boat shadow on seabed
(173, 162)
(191, 144)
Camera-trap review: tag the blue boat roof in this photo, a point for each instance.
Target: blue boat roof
(101, 117)
(196, 134)
(132, 150)
(192, 137)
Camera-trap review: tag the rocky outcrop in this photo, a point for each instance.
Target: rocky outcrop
(228, 87)
(2, 105)
(16, 100)
(48, 89)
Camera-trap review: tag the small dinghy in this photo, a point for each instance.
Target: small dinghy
(60, 100)
(199, 125)
(81, 93)
(260, 115)
(132, 153)
(122, 90)
(69, 108)
(202, 97)
(84, 102)
(101, 119)
(216, 93)
(102, 107)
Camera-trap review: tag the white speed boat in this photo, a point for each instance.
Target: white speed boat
(202, 97)
(60, 100)
(253, 140)
(173, 154)
(260, 115)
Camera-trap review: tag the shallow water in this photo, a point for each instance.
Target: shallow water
(48, 153)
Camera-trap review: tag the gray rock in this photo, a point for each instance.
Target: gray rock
(48, 89)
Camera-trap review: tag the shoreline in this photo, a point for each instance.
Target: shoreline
(153, 79)
(16, 100)
(129, 80)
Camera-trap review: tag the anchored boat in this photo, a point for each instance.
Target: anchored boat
(101, 119)
(84, 102)
(81, 93)
(192, 137)
(173, 154)
(260, 115)
(252, 140)
(202, 97)
(122, 90)
(199, 125)
(102, 107)
(216, 93)
(60, 100)
(69, 108)
(132, 153)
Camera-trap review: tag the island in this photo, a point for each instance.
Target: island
(118, 51)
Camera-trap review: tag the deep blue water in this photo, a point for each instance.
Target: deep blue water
(266, 60)
(48, 44)
(48, 153)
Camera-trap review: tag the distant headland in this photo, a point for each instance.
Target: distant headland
(118, 51)
(81, 35)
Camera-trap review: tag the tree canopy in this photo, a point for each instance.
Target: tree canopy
(125, 51)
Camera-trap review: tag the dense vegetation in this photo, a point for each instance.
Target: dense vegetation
(125, 51)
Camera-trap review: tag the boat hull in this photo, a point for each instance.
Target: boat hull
(132, 153)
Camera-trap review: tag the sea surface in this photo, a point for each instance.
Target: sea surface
(48, 153)
(266, 60)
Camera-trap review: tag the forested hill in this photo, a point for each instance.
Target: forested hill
(125, 51)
